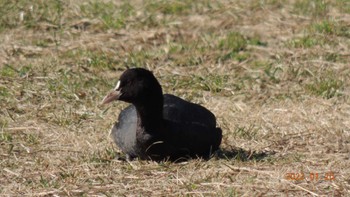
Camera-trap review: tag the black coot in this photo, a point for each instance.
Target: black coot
(157, 126)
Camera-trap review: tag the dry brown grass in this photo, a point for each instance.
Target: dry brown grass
(275, 73)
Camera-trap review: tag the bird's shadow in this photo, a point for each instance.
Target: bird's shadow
(229, 153)
(235, 153)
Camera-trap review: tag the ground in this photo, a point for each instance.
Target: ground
(275, 74)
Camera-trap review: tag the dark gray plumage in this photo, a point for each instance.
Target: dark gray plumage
(160, 127)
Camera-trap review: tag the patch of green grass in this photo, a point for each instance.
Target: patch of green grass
(234, 42)
(255, 40)
(42, 43)
(78, 86)
(67, 117)
(25, 70)
(342, 5)
(298, 73)
(3, 123)
(335, 57)
(63, 174)
(5, 137)
(105, 156)
(293, 72)
(48, 182)
(248, 133)
(242, 56)
(211, 82)
(8, 71)
(181, 51)
(270, 71)
(231, 192)
(150, 20)
(185, 60)
(180, 8)
(314, 8)
(111, 15)
(73, 86)
(265, 4)
(173, 7)
(32, 139)
(186, 54)
(137, 59)
(304, 42)
(102, 61)
(12, 139)
(325, 27)
(63, 119)
(231, 45)
(4, 92)
(11, 71)
(329, 27)
(175, 48)
(326, 86)
(64, 85)
(30, 14)
(320, 33)
(91, 60)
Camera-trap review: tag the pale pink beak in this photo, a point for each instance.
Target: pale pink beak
(113, 95)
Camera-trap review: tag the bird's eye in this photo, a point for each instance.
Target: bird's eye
(117, 86)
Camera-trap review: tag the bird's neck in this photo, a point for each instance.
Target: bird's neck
(150, 116)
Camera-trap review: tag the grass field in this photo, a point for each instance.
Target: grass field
(275, 73)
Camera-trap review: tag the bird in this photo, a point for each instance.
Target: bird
(160, 127)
